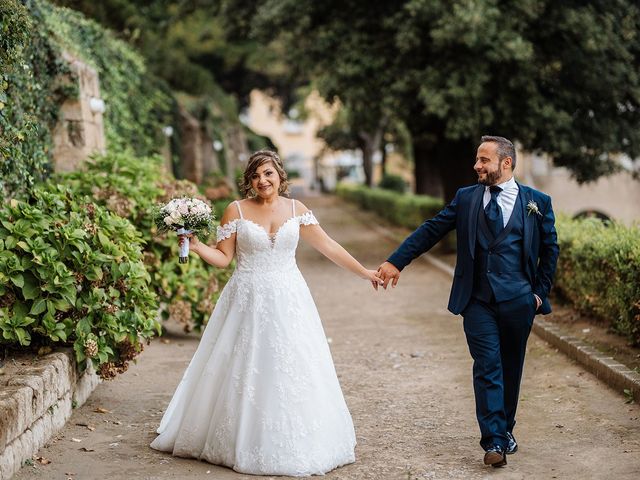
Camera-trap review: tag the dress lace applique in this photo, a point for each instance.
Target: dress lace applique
(225, 231)
(307, 218)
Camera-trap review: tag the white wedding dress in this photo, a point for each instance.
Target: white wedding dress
(261, 393)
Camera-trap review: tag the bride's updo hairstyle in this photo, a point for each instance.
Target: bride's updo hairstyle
(255, 161)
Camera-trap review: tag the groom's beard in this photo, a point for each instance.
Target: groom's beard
(491, 178)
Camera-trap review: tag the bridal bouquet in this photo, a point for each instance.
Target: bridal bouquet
(184, 216)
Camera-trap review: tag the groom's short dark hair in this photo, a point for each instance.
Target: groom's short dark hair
(505, 148)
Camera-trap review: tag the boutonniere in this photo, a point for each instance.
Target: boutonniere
(532, 207)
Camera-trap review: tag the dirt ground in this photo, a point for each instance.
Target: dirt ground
(406, 374)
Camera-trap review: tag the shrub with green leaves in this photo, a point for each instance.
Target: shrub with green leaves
(406, 210)
(131, 187)
(395, 183)
(71, 273)
(599, 271)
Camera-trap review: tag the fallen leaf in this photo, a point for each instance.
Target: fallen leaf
(43, 461)
(165, 340)
(44, 350)
(76, 440)
(101, 410)
(89, 427)
(85, 449)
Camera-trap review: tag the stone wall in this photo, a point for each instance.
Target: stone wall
(35, 402)
(80, 130)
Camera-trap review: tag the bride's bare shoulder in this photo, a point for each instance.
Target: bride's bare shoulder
(301, 208)
(230, 213)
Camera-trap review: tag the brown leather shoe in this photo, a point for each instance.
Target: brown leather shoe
(495, 457)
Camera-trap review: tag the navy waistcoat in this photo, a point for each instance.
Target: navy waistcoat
(498, 271)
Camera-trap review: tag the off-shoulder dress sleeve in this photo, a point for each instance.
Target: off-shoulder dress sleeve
(225, 231)
(307, 218)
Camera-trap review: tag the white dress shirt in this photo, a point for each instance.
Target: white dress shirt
(506, 198)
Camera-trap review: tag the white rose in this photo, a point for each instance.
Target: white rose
(168, 220)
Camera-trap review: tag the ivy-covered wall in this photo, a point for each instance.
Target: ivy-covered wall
(34, 81)
(30, 92)
(138, 104)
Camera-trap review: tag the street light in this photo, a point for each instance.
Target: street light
(96, 105)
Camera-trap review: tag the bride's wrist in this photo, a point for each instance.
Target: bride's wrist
(195, 247)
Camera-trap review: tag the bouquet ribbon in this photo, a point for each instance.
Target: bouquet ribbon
(184, 248)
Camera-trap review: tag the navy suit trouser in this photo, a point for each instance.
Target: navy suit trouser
(497, 334)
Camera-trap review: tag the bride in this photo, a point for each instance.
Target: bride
(261, 393)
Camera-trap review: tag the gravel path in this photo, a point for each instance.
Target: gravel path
(406, 374)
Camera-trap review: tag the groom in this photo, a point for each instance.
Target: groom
(507, 253)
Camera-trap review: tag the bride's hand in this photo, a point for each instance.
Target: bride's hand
(194, 243)
(374, 278)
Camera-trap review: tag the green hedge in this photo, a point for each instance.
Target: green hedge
(130, 186)
(599, 271)
(405, 210)
(71, 273)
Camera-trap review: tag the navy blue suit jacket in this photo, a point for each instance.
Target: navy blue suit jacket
(540, 252)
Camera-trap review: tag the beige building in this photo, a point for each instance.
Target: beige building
(295, 136)
(615, 197)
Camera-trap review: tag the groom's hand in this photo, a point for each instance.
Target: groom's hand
(388, 273)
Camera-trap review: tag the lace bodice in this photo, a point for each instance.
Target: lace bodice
(257, 250)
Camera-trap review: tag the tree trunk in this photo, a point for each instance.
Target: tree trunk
(383, 163)
(455, 166)
(369, 143)
(426, 171)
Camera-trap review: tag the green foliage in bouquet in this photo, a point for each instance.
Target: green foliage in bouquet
(599, 271)
(71, 273)
(131, 187)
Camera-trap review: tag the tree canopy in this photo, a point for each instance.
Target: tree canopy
(558, 77)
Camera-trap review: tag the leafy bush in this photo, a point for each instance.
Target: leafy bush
(130, 187)
(406, 210)
(71, 273)
(599, 271)
(395, 183)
